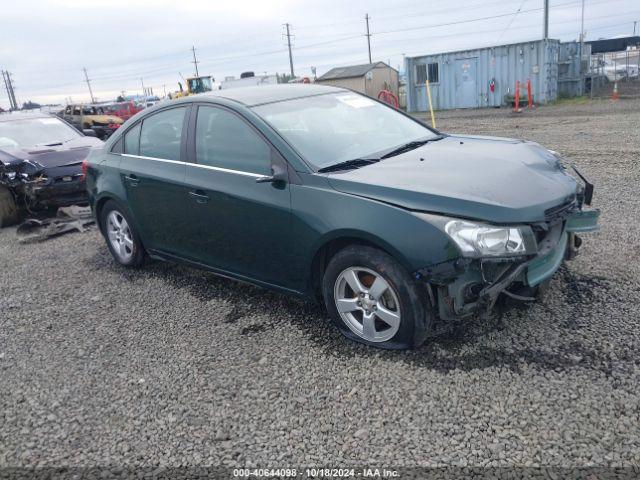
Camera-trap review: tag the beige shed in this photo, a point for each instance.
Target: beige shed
(369, 78)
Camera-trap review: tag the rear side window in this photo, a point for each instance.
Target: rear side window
(225, 140)
(161, 134)
(132, 140)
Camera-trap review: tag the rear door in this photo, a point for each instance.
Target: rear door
(238, 225)
(153, 172)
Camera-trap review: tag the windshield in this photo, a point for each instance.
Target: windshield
(333, 128)
(35, 131)
(92, 111)
(113, 108)
(200, 85)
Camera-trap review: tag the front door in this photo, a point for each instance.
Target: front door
(153, 173)
(237, 225)
(466, 83)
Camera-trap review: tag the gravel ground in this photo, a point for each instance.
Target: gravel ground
(172, 366)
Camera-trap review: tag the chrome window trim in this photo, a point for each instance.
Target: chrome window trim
(208, 167)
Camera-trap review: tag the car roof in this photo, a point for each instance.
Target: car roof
(252, 96)
(11, 116)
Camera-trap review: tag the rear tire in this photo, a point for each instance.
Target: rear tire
(9, 210)
(122, 239)
(372, 299)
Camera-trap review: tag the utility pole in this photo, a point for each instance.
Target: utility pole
(13, 93)
(545, 35)
(289, 45)
(86, 77)
(634, 27)
(6, 85)
(6, 76)
(366, 19)
(581, 36)
(144, 92)
(195, 60)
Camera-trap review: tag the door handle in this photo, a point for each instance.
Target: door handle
(200, 196)
(132, 179)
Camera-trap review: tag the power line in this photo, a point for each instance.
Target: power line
(472, 20)
(135, 73)
(511, 21)
(355, 52)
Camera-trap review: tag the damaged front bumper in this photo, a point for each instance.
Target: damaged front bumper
(35, 186)
(58, 192)
(464, 286)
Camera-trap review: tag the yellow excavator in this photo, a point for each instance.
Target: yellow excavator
(195, 85)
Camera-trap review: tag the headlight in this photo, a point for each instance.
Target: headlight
(477, 240)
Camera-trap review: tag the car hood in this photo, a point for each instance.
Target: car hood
(497, 180)
(70, 153)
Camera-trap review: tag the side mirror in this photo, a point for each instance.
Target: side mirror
(279, 174)
(89, 132)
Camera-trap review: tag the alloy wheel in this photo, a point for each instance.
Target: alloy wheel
(119, 235)
(368, 304)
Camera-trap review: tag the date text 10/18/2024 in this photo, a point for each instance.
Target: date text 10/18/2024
(316, 472)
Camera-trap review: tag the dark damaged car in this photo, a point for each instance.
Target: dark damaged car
(326, 194)
(41, 160)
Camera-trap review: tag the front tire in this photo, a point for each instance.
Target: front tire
(372, 299)
(9, 210)
(122, 239)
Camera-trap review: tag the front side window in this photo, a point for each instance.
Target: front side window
(332, 128)
(132, 140)
(161, 134)
(76, 110)
(225, 140)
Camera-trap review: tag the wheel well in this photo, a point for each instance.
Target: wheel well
(99, 205)
(326, 252)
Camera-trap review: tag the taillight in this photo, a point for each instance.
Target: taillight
(85, 166)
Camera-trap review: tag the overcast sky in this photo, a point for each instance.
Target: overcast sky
(46, 43)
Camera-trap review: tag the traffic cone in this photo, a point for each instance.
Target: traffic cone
(615, 95)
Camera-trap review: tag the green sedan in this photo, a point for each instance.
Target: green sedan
(323, 193)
